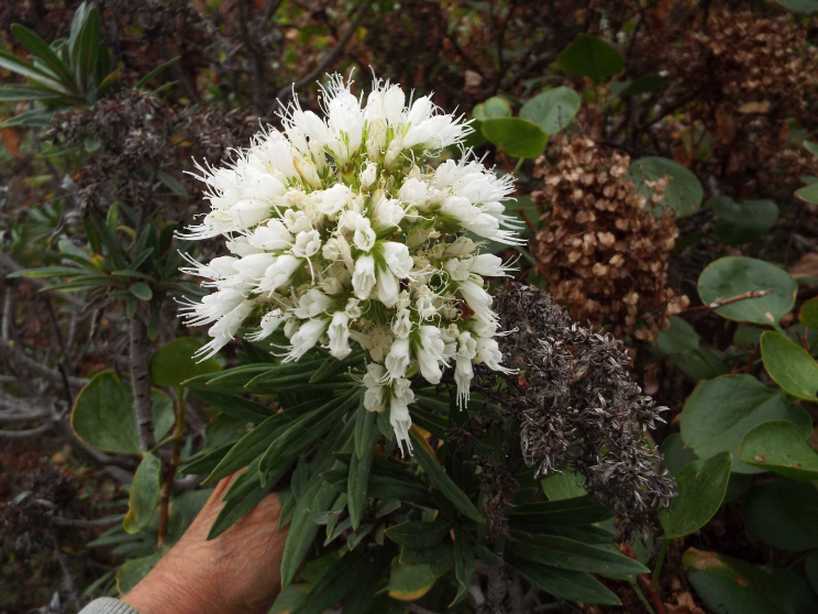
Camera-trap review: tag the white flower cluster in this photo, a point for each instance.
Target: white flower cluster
(349, 229)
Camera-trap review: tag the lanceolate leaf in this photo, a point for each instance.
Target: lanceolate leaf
(425, 457)
(358, 480)
(143, 494)
(566, 584)
(574, 555)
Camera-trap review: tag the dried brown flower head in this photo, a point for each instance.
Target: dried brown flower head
(580, 409)
(603, 252)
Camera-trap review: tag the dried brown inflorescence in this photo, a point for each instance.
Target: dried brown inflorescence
(602, 250)
(580, 409)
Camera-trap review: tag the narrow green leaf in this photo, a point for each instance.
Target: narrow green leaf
(358, 480)
(12, 63)
(40, 48)
(566, 584)
(437, 475)
(566, 553)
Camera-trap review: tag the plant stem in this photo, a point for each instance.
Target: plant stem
(660, 563)
(170, 469)
(139, 349)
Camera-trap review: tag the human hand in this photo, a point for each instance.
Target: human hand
(236, 572)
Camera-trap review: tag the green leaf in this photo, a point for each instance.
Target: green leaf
(783, 448)
(493, 108)
(566, 584)
(245, 493)
(418, 534)
(39, 76)
(103, 415)
(552, 110)
(588, 56)
(410, 582)
(156, 72)
(14, 93)
(173, 363)
(702, 486)
(425, 457)
(317, 498)
(809, 193)
(564, 485)
(40, 48)
(143, 494)
(806, 7)
(133, 570)
(734, 276)
(683, 194)
(782, 514)
(739, 222)
(141, 290)
(358, 481)
(808, 315)
(365, 432)
(720, 412)
(790, 366)
(519, 138)
(681, 344)
(675, 454)
(729, 586)
(465, 564)
(574, 555)
(566, 513)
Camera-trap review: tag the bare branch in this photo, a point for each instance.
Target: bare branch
(18, 356)
(329, 58)
(141, 379)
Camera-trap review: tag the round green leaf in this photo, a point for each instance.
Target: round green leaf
(103, 415)
(781, 447)
(552, 110)
(733, 276)
(683, 193)
(143, 494)
(410, 582)
(141, 290)
(790, 366)
(519, 138)
(173, 363)
(702, 486)
(676, 454)
(782, 514)
(720, 412)
(740, 222)
(588, 56)
(493, 108)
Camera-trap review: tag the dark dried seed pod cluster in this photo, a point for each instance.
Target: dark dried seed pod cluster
(580, 409)
(602, 251)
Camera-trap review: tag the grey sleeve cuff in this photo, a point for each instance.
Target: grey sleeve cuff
(107, 605)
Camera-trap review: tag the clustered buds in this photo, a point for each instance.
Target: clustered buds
(352, 230)
(602, 251)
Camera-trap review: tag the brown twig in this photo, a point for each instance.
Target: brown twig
(721, 302)
(170, 469)
(329, 58)
(139, 354)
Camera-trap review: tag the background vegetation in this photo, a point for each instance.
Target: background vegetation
(668, 183)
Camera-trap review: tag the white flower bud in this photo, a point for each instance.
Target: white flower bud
(272, 236)
(478, 300)
(402, 325)
(338, 334)
(398, 358)
(488, 265)
(430, 353)
(387, 213)
(270, 322)
(368, 175)
(397, 258)
(332, 200)
(399, 417)
(312, 303)
(363, 277)
(414, 192)
(387, 288)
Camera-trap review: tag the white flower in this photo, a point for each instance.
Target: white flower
(363, 277)
(397, 258)
(429, 353)
(278, 274)
(387, 287)
(270, 322)
(307, 243)
(375, 390)
(368, 175)
(333, 200)
(398, 359)
(338, 334)
(387, 213)
(305, 338)
(399, 417)
(312, 303)
(346, 228)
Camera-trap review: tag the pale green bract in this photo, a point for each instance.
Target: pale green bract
(352, 229)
